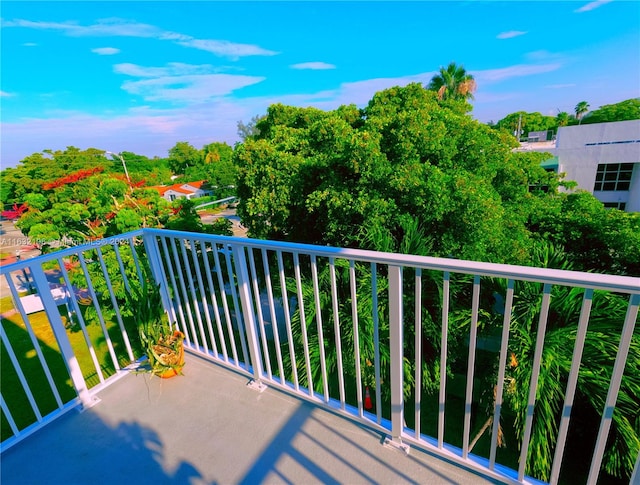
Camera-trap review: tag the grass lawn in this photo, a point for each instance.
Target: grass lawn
(25, 352)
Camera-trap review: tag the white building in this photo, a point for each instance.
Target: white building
(603, 158)
(190, 190)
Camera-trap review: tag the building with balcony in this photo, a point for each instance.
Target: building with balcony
(404, 370)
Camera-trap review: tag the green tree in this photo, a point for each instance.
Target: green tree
(453, 82)
(34, 172)
(91, 208)
(326, 177)
(149, 171)
(562, 118)
(600, 349)
(216, 167)
(596, 238)
(625, 110)
(581, 108)
(527, 122)
(182, 156)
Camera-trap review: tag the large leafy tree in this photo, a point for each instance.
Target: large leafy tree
(329, 177)
(39, 169)
(528, 122)
(91, 208)
(147, 171)
(596, 238)
(216, 166)
(625, 110)
(182, 156)
(453, 82)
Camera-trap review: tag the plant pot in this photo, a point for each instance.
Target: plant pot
(173, 372)
(169, 360)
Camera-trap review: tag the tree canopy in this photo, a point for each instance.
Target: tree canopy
(529, 122)
(215, 166)
(337, 177)
(623, 111)
(74, 195)
(406, 162)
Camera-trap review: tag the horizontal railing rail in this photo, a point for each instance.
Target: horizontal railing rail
(485, 364)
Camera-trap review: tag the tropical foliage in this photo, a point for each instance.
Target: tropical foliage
(74, 196)
(159, 341)
(623, 111)
(581, 109)
(527, 122)
(453, 83)
(325, 177)
(600, 349)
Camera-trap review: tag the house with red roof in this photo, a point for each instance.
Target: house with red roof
(188, 190)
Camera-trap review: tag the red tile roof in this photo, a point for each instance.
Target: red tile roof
(162, 189)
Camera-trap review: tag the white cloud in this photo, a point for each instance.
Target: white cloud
(519, 70)
(510, 34)
(313, 66)
(5, 94)
(592, 5)
(182, 83)
(29, 44)
(115, 27)
(560, 86)
(171, 69)
(227, 49)
(105, 51)
(189, 89)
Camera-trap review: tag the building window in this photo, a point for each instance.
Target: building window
(613, 176)
(615, 205)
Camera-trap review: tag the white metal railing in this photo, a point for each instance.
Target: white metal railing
(379, 328)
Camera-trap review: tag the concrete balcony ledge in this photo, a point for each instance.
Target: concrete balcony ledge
(208, 427)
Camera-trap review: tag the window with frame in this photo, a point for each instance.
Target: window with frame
(613, 176)
(615, 205)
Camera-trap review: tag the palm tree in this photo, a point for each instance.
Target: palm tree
(581, 108)
(600, 348)
(453, 83)
(562, 118)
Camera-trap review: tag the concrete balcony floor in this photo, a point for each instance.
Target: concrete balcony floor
(209, 428)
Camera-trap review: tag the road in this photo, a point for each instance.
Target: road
(230, 214)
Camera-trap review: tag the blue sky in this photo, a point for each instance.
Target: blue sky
(142, 76)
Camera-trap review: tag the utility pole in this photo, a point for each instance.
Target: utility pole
(123, 164)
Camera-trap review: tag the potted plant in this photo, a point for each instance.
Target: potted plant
(163, 345)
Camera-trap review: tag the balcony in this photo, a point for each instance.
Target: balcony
(405, 368)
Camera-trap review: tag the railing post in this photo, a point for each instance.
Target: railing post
(396, 353)
(57, 326)
(155, 263)
(244, 284)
